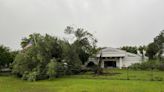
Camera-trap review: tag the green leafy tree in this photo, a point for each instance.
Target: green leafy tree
(51, 68)
(31, 62)
(155, 48)
(84, 43)
(130, 49)
(159, 40)
(70, 58)
(142, 49)
(32, 38)
(5, 57)
(73, 60)
(152, 50)
(24, 42)
(20, 64)
(37, 62)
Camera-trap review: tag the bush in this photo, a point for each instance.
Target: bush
(51, 69)
(135, 66)
(148, 65)
(158, 78)
(161, 67)
(6, 57)
(61, 69)
(25, 75)
(32, 76)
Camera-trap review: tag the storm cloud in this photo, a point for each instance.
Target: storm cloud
(114, 22)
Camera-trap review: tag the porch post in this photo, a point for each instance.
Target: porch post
(102, 64)
(120, 63)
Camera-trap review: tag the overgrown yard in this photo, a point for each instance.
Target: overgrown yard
(88, 83)
(123, 74)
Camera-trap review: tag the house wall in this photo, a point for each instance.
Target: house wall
(127, 61)
(117, 64)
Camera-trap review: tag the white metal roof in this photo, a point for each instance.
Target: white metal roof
(111, 52)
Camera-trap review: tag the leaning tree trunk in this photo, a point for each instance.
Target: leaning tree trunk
(99, 68)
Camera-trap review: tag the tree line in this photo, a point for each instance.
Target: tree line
(153, 50)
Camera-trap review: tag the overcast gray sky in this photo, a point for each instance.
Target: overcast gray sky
(114, 22)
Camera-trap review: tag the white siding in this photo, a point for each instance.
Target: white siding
(111, 54)
(127, 61)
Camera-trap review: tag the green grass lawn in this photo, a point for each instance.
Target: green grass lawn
(85, 83)
(117, 74)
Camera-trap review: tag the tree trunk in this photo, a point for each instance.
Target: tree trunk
(99, 69)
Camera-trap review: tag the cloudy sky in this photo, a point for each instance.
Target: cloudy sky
(114, 22)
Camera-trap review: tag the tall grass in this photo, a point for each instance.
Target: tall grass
(11, 84)
(124, 74)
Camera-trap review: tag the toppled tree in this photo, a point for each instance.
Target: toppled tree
(31, 63)
(46, 56)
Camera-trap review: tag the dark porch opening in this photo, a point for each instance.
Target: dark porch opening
(90, 65)
(108, 64)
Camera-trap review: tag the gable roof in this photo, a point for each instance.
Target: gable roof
(111, 52)
(132, 54)
(115, 52)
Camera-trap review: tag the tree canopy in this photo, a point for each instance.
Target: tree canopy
(6, 56)
(84, 43)
(130, 49)
(154, 49)
(50, 57)
(31, 63)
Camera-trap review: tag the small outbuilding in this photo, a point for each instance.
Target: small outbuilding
(112, 57)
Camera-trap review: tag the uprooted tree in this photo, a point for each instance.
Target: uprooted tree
(30, 63)
(50, 57)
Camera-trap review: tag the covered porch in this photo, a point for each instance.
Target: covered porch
(112, 62)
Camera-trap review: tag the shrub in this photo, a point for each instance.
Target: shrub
(32, 76)
(158, 78)
(161, 67)
(25, 75)
(135, 66)
(51, 68)
(61, 69)
(148, 65)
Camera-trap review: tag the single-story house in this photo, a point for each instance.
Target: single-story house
(112, 57)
